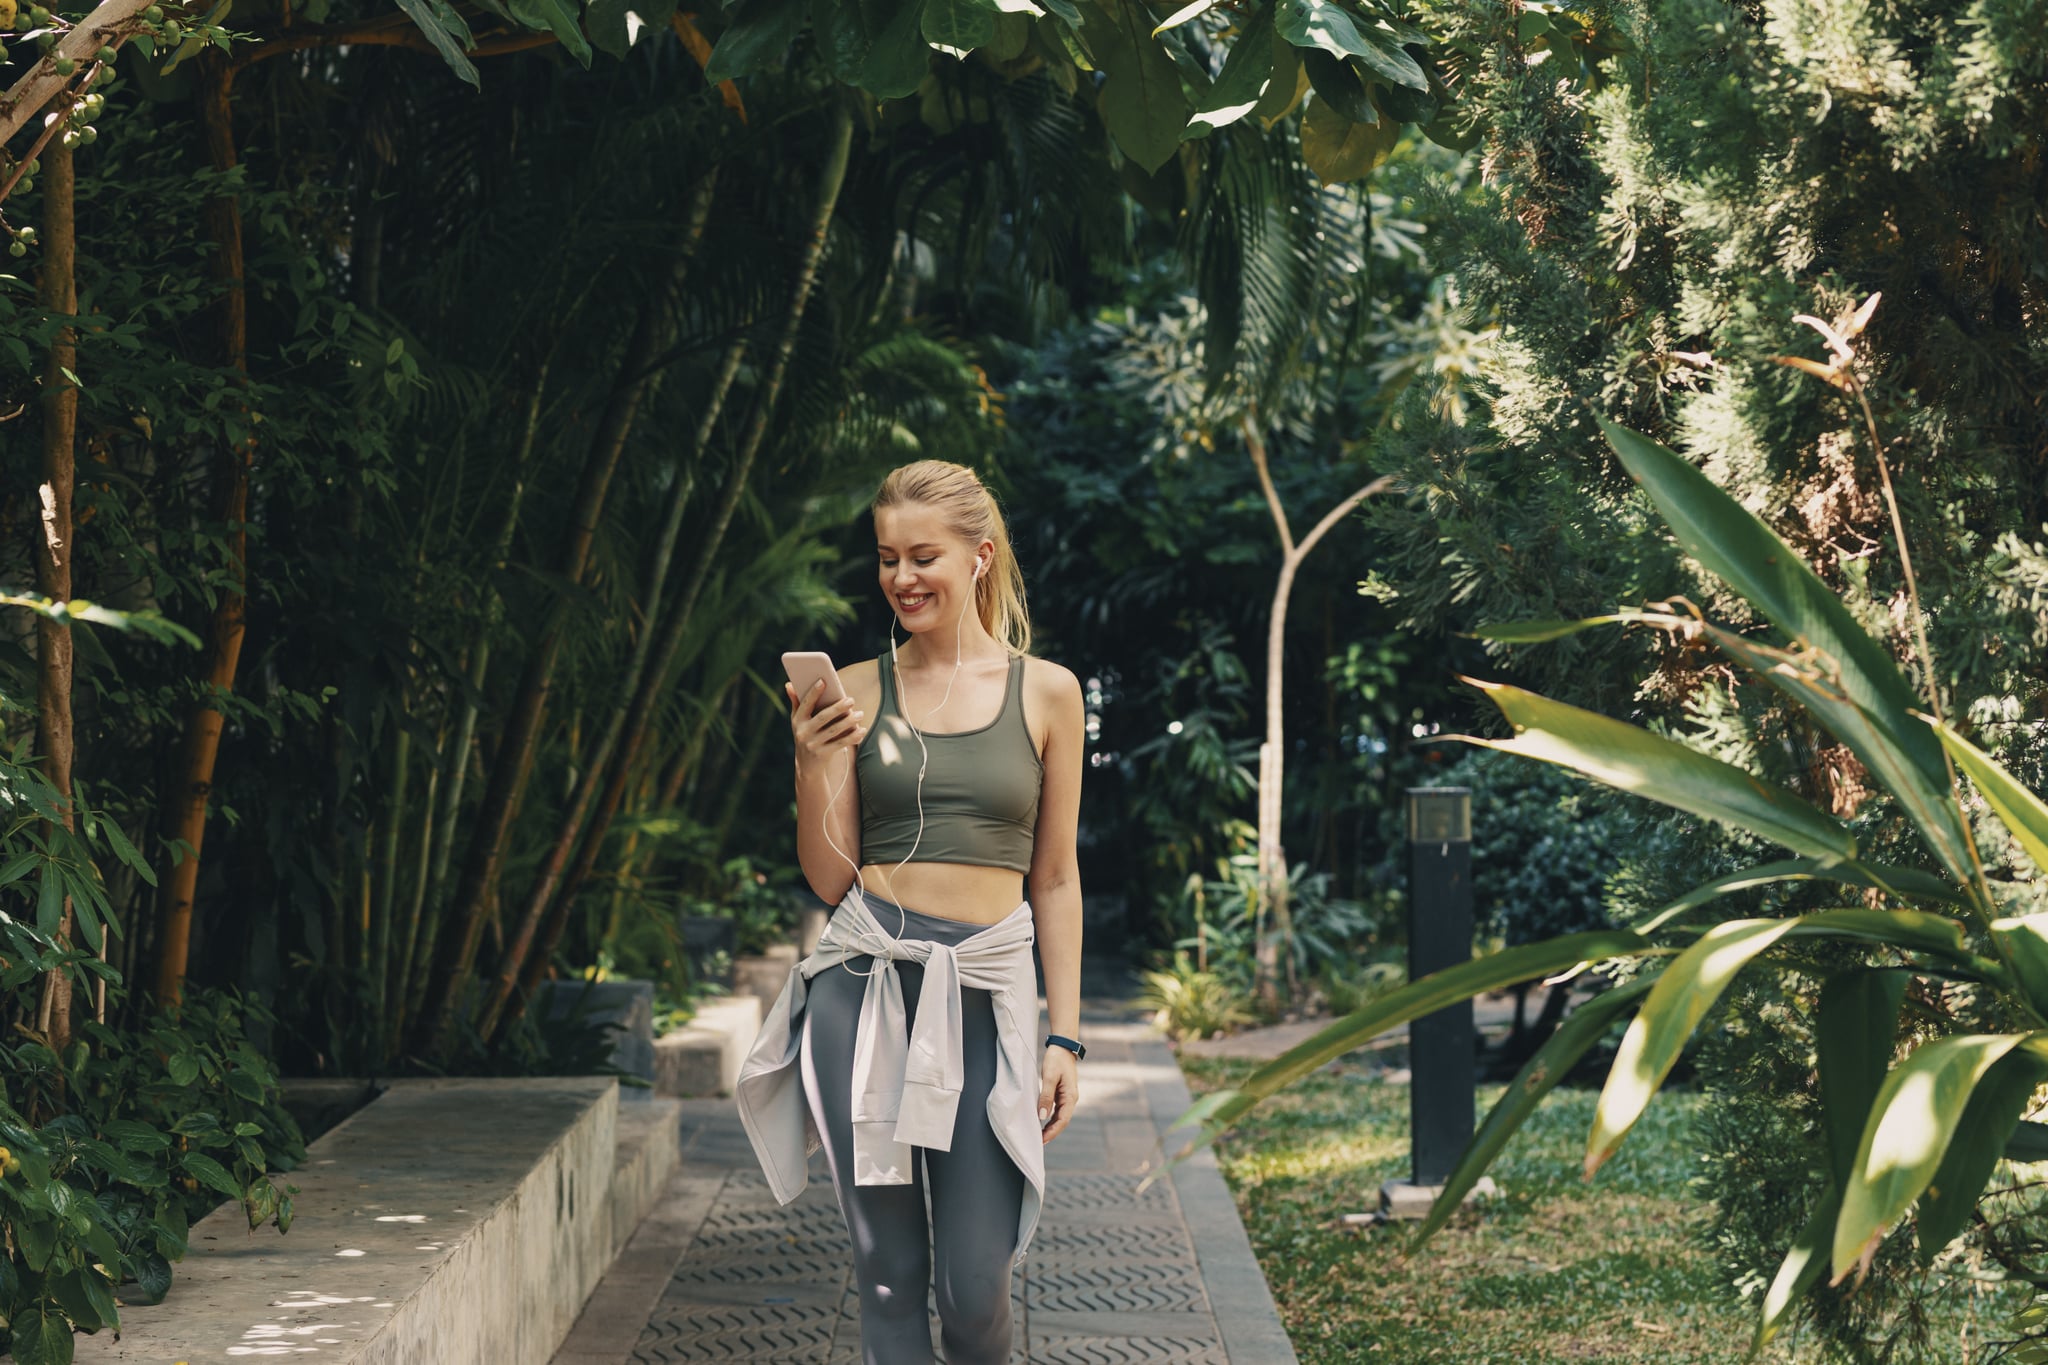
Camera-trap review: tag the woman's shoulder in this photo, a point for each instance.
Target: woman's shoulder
(1050, 682)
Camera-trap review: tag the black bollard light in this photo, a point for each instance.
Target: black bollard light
(1440, 1045)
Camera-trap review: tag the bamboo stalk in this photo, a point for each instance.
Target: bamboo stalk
(186, 800)
(831, 178)
(476, 889)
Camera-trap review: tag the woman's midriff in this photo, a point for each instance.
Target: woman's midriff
(962, 891)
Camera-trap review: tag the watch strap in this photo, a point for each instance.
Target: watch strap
(1070, 1044)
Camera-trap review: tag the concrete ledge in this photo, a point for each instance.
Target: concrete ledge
(449, 1221)
(763, 975)
(649, 1149)
(703, 1057)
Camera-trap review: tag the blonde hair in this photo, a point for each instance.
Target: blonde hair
(958, 495)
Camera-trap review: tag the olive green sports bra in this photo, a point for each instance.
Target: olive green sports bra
(980, 786)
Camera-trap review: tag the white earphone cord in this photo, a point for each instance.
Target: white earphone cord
(825, 821)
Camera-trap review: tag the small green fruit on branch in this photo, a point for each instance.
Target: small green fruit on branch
(107, 24)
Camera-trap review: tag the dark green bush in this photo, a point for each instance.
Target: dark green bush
(115, 1147)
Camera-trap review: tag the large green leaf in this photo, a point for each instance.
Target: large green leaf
(1634, 760)
(40, 1337)
(1697, 978)
(1907, 1136)
(960, 24)
(1338, 150)
(1800, 1269)
(1331, 27)
(1810, 682)
(1288, 84)
(757, 36)
(2028, 1142)
(1236, 90)
(1219, 1109)
(1575, 1037)
(2019, 809)
(2025, 942)
(559, 17)
(1864, 701)
(441, 25)
(1901, 881)
(1141, 101)
(1856, 1030)
(1336, 80)
(897, 59)
(1987, 1124)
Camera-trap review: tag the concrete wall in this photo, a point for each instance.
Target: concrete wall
(449, 1221)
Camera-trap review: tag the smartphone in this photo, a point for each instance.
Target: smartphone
(805, 667)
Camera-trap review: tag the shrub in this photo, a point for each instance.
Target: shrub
(1190, 1003)
(114, 1147)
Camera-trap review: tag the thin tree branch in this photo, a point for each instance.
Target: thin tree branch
(108, 24)
(1343, 509)
(1257, 445)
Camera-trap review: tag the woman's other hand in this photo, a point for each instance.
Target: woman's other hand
(1059, 1090)
(821, 732)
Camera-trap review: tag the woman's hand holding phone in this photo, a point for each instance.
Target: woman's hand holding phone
(821, 732)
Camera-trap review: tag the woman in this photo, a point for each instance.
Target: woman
(913, 1027)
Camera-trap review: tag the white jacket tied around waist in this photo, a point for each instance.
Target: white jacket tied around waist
(906, 1085)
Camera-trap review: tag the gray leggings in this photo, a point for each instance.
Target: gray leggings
(976, 1187)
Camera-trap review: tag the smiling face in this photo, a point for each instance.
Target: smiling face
(925, 569)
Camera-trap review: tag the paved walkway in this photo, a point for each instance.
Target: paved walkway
(719, 1272)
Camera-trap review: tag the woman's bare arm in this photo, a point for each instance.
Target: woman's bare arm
(1054, 880)
(825, 744)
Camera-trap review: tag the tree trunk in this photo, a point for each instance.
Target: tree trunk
(185, 803)
(1277, 946)
(477, 887)
(641, 709)
(549, 875)
(57, 292)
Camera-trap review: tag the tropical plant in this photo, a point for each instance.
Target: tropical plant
(114, 1146)
(1912, 1138)
(1191, 1003)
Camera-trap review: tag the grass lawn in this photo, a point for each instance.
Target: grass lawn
(1555, 1271)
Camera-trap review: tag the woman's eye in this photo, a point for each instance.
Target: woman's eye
(925, 563)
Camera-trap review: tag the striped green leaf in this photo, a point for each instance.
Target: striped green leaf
(1905, 882)
(1698, 977)
(1218, 1111)
(1857, 691)
(1987, 1124)
(1634, 760)
(2020, 810)
(1907, 1136)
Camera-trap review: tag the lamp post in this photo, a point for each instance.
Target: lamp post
(1440, 1045)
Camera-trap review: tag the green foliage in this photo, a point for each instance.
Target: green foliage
(1190, 1003)
(1161, 86)
(116, 1147)
(1932, 1126)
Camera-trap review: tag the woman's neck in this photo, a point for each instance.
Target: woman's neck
(938, 647)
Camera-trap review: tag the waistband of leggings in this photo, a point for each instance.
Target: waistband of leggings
(916, 923)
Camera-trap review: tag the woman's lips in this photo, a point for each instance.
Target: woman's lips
(910, 608)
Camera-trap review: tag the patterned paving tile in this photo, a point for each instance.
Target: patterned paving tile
(1112, 1278)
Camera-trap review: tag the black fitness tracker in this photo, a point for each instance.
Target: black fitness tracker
(1054, 1040)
